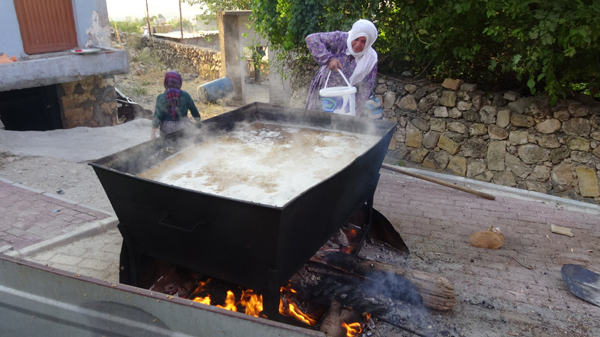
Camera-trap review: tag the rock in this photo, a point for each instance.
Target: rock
(454, 113)
(496, 132)
(463, 96)
(440, 111)
(477, 130)
(531, 139)
(475, 167)
(511, 96)
(583, 157)
(437, 124)
(503, 118)
(485, 176)
(389, 99)
(595, 120)
(410, 88)
(557, 155)
(392, 144)
(540, 173)
(596, 152)
(448, 98)
(495, 156)
(516, 166)
(505, 178)
(463, 106)
(407, 102)
(417, 155)
(420, 123)
(522, 120)
(468, 87)
(420, 93)
(588, 182)
(472, 116)
(452, 84)
(442, 158)
(578, 144)
(400, 134)
(531, 154)
(562, 174)
(536, 186)
(548, 141)
(427, 102)
(519, 105)
(577, 127)
(477, 102)
(430, 163)
(549, 126)
(498, 101)
(562, 115)
(518, 137)
(403, 121)
(578, 110)
(458, 165)
(431, 139)
(474, 148)
(388, 113)
(448, 144)
(457, 127)
(380, 89)
(414, 137)
(595, 135)
(512, 149)
(488, 114)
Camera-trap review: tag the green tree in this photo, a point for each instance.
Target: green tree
(211, 7)
(187, 24)
(130, 25)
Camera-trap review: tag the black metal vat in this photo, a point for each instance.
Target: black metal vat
(249, 244)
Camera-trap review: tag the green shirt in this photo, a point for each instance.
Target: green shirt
(161, 110)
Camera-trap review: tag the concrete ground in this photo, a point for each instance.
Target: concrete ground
(514, 291)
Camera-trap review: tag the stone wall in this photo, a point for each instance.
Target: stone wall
(206, 61)
(90, 102)
(502, 138)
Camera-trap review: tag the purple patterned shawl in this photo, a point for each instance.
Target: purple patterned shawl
(173, 90)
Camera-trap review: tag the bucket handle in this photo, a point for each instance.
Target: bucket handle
(341, 73)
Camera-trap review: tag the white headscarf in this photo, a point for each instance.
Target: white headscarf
(367, 58)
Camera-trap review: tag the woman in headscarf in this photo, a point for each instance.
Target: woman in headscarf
(351, 52)
(171, 110)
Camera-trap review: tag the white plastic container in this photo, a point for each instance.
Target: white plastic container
(339, 100)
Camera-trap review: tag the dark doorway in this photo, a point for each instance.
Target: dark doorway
(32, 109)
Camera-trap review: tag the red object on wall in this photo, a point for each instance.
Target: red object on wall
(46, 25)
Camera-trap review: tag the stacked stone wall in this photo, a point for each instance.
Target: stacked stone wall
(90, 102)
(206, 61)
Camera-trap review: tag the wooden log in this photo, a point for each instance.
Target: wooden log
(437, 292)
(438, 181)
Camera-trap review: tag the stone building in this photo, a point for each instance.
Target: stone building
(63, 76)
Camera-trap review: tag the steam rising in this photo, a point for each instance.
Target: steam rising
(263, 163)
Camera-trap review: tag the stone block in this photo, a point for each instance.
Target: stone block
(557, 155)
(578, 144)
(477, 102)
(431, 139)
(532, 154)
(536, 186)
(414, 137)
(578, 110)
(468, 87)
(519, 105)
(549, 126)
(437, 124)
(548, 141)
(442, 158)
(457, 127)
(475, 167)
(464, 106)
(588, 182)
(428, 102)
(583, 157)
(420, 123)
(472, 116)
(577, 127)
(448, 98)
(474, 148)
(400, 134)
(485, 176)
(392, 144)
(381, 89)
(596, 152)
(511, 96)
(407, 102)
(516, 166)
(389, 99)
(496, 132)
(562, 115)
(452, 84)
(488, 114)
(503, 118)
(410, 88)
(540, 173)
(448, 144)
(417, 155)
(440, 111)
(595, 135)
(562, 174)
(458, 165)
(505, 178)
(477, 130)
(495, 156)
(595, 121)
(518, 137)
(430, 163)
(454, 113)
(521, 120)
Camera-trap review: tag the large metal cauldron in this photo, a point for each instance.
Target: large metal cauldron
(252, 245)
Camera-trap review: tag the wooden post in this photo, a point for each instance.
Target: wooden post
(118, 36)
(180, 21)
(148, 19)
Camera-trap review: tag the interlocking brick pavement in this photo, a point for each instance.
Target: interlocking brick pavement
(28, 216)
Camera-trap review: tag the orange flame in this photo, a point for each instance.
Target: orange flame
(352, 329)
(252, 302)
(229, 302)
(292, 310)
(203, 300)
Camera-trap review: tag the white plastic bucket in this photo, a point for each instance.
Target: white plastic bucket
(339, 100)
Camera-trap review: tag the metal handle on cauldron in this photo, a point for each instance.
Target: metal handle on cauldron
(161, 222)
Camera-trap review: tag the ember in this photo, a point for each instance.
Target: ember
(352, 329)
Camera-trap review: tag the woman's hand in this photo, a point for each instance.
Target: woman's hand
(335, 64)
(153, 134)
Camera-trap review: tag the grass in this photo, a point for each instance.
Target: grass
(139, 91)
